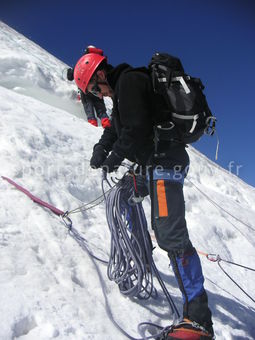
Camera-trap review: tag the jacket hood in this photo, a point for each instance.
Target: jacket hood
(114, 74)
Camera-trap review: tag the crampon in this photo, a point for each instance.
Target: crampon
(186, 330)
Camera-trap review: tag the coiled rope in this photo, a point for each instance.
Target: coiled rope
(131, 263)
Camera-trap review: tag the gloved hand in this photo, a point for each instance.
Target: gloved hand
(98, 156)
(69, 74)
(141, 185)
(112, 162)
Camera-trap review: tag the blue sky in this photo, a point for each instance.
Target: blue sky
(214, 39)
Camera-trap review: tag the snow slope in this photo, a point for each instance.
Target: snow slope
(28, 69)
(49, 287)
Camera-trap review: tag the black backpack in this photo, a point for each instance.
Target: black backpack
(189, 113)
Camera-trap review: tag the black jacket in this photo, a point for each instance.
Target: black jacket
(135, 111)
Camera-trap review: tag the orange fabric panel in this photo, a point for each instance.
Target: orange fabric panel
(161, 193)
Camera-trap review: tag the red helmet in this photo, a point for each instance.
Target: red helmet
(85, 68)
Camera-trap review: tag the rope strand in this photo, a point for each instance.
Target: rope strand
(239, 265)
(85, 207)
(219, 207)
(235, 282)
(218, 259)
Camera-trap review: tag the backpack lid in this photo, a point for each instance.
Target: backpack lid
(166, 60)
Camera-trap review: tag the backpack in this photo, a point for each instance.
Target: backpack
(189, 112)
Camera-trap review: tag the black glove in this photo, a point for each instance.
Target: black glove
(69, 74)
(112, 162)
(141, 185)
(98, 156)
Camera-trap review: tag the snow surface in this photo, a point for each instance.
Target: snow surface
(49, 287)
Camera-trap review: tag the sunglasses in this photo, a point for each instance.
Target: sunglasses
(95, 89)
